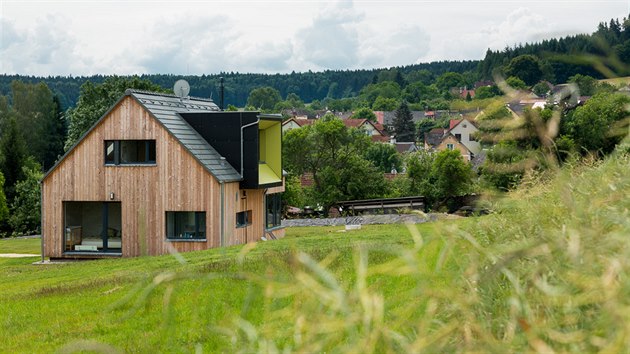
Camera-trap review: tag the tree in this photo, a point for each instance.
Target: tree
(418, 166)
(418, 91)
(232, 108)
(264, 98)
(448, 80)
(384, 104)
(96, 99)
(423, 76)
(595, 127)
(487, 92)
(385, 89)
(586, 84)
(364, 113)
(516, 83)
(25, 208)
(452, 175)
(333, 154)
(39, 116)
(403, 124)
(525, 67)
(385, 157)
(424, 126)
(541, 89)
(4, 209)
(12, 157)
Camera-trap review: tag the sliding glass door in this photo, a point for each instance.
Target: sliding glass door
(92, 227)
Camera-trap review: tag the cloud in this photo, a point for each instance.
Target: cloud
(519, 26)
(45, 48)
(402, 46)
(207, 44)
(332, 40)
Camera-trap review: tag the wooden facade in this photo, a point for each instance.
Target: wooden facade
(176, 182)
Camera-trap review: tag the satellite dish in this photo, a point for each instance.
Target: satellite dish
(181, 88)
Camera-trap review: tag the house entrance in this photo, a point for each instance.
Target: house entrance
(92, 227)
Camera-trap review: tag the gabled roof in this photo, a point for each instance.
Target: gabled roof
(165, 109)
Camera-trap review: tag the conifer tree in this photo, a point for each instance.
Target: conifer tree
(403, 124)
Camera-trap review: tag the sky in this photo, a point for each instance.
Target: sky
(197, 37)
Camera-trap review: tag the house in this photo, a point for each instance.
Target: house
(294, 123)
(459, 136)
(464, 130)
(159, 173)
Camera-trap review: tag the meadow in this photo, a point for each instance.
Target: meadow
(546, 271)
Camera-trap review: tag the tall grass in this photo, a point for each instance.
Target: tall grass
(548, 272)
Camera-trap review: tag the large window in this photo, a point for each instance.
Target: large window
(274, 210)
(185, 225)
(244, 218)
(93, 227)
(125, 152)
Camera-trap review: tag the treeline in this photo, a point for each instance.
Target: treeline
(564, 57)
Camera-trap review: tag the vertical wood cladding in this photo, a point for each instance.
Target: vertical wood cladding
(177, 182)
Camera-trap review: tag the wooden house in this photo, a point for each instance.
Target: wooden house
(160, 173)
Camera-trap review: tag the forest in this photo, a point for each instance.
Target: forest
(41, 118)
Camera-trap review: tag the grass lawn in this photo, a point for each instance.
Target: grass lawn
(20, 245)
(183, 299)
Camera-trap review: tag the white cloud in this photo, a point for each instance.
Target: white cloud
(332, 40)
(401, 46)
(41, 50)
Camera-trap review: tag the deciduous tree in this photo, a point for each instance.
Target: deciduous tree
(264, 98)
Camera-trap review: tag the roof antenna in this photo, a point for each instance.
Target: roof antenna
(181, 89)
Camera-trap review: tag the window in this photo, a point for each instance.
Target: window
(122, 152)
(458, 137)
(274, 210)
(450, 146)
(244, 218)
(93, 227)
(185, 225)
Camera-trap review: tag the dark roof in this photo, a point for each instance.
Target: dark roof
(405, 147)
(434, 137)
(165, 108)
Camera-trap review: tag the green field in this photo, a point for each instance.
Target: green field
(548, 270)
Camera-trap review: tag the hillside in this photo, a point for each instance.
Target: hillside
(547, 271)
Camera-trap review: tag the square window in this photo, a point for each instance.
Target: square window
(185, 225)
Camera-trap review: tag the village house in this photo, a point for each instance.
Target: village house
(160, 173)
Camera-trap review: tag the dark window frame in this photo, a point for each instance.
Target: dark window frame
(243, 218)
(200, 227)
(115, 158)
(273, 210)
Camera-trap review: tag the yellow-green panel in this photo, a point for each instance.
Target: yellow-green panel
(266, 175)
(262, 145)
(273, 147)
(270, 149)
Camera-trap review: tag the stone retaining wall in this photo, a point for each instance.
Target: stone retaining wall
(362, 220)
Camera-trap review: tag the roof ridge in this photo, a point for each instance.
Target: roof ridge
(153, 93)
